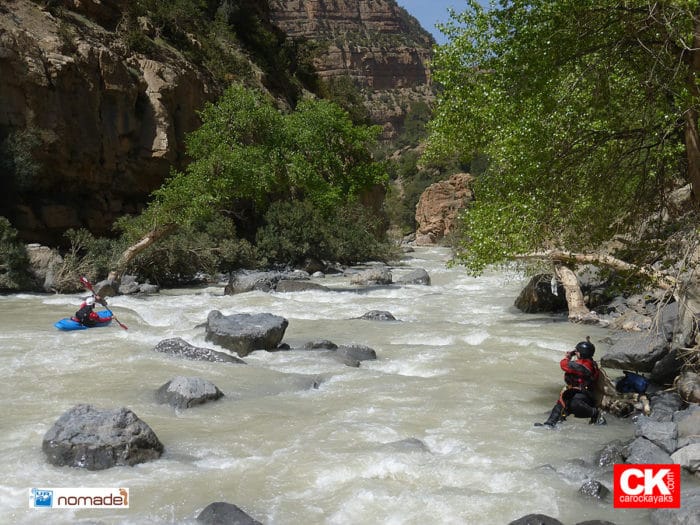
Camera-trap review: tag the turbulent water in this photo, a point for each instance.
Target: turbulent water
(439, 429)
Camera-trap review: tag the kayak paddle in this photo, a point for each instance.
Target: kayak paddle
(87, 284)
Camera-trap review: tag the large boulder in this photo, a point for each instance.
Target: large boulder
(244, 333)
(636, 352)
(246, 281)
(96, 439)
(186, 392)
(537, 296)
(178, 347)
(417, 276)
(375, 275)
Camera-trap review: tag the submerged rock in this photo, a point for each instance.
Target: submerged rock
(95, 439)
(186, 392)
(178, 347)
(222, 513)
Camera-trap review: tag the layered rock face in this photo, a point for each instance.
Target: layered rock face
(108, 123)
(374, 42)
(89, 127)
(439, 205)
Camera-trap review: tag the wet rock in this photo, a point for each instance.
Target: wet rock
(351, 354)
(417, 276)
(378, 315)
(186, 392)
(242, 282)
(178, 347)
(287, 286)
(664, 406)
(536, 519)
(689, 386)
(406, 445)
(688, 514)
(611, 454)
(222, 513)
(688, 457)
(321, 344)
(636, 352)
(244, 333)
(537, 296)
(95, 439)
(641, 450)
(664, 434)
(594, 489)
(376, 275)
(688, 424)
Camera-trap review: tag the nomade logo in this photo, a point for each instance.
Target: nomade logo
(79, 498)
(647, 486)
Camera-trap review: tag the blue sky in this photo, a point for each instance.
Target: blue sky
(430, 12)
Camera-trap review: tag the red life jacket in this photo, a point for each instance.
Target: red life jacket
(581, 374)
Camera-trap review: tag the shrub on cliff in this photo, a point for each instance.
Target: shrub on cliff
(14, 262)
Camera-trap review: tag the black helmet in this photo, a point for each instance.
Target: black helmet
(585, 349)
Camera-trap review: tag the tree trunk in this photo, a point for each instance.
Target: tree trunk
(132, 251)
(578, 311)
(692, 138)
(660, 279)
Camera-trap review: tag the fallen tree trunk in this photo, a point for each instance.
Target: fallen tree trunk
(578, 312)
(660, 279)
(132, 251)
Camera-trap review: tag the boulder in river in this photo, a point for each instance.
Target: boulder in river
(178, 347)
(96, 439)
(244, 333)
(186, 392)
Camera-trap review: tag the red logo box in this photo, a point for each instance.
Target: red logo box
(647, 486)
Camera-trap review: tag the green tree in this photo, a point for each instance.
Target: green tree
(247, 155)
(586, 110)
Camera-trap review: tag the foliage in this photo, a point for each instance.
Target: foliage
(14, 262)
(17, 157)
(578, 105)
(88, 256)
(207, 247)
(296, 231)
(343, 91)
(248, 151)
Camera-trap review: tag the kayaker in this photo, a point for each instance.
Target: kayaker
(87, 315)
(580, 374)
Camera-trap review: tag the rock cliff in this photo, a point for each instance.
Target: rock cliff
(439, 206)
(90, 124)
(102, 124)
(374, 42)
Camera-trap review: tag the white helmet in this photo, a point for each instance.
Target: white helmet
(90, 301)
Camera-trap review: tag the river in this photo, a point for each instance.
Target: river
(439, 429)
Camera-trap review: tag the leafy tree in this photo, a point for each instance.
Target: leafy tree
(585, 109)
(247, 155)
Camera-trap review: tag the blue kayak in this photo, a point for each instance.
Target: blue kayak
(70, 323)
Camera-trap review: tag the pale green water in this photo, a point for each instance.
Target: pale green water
(463, 372)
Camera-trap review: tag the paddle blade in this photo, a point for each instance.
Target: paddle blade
(86, 283)
(121, 325)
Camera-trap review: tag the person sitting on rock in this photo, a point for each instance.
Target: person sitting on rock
(581, 373)
(87, 315)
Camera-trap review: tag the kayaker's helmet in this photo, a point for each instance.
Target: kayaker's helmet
(90, 301)
(585, 349)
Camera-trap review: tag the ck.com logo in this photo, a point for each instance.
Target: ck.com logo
(647, 486)
(42, 498)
